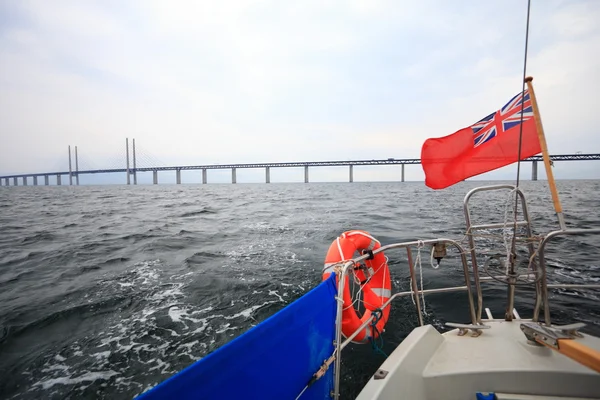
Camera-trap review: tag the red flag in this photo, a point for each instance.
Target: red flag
(484, 146)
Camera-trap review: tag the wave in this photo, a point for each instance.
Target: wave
(38, 237)
(22, 259)
(11, 228)
(196, 213)
(202, 257)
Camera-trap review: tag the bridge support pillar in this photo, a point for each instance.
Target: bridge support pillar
(534, 171)
(134, 165)
(179, 177)
(402, 172)
(70, 169)
(15, 182)
(58, 180)
(268, 174)
(24, 181)
(233, 180)
(76, 168)
(155, 177)
(35, 181)
(46, 180)
(204, 176)
(6, 182)
(306, 174)
(351, 177)
(127, 170)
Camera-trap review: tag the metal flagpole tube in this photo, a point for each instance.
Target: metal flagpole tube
(544, 146)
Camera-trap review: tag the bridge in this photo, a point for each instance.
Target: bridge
(131, 171)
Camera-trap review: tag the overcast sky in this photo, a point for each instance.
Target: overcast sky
(265, 81)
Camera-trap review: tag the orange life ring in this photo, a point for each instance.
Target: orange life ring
(375, 282)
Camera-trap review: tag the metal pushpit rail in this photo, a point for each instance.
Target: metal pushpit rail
(543, 297)
(472, 233)
(537, 273)
(347, 265)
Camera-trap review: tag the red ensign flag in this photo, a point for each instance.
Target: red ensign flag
(486, 145)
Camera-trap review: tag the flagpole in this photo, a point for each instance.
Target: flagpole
(544, 147)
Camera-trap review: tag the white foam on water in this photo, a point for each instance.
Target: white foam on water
(87, 377)
(209, 308)
(59, 367)
(130, 338)
(143, 343)
(176, 313)
(102, 354)
(276, 293)
(160, 364)
(247, 313)
(188, 346)
(224, 328)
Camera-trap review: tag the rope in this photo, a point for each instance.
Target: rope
(513, 244)
(319, 374)
(378, 313)
(362, 285)
(302, 392)
(420, 245)
(434, 266)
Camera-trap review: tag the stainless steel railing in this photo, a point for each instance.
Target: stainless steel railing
(539, 275)
(543, 297)
(347, 266)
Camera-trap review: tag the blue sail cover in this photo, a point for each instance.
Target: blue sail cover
(273, 360)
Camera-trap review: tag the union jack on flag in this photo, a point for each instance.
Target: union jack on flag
(502, 120)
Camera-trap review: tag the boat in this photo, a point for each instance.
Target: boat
(294, 353)
(297, 352)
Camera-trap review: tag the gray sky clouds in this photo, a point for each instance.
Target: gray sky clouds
(264, 81)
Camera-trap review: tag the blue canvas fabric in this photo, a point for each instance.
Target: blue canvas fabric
(273, 360)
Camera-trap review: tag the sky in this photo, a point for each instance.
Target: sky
(205, 82)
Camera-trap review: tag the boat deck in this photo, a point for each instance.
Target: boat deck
(430, 365)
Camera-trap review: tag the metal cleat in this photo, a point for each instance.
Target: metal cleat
(541, 334)
(571, 329)
(464, 328)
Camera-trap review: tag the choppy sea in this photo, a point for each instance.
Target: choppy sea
(105, 291)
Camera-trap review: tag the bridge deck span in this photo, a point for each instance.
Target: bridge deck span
(558, 157)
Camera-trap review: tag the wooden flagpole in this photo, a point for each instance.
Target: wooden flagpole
(546, 156)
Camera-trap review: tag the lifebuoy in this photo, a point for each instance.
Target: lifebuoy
(375, 282)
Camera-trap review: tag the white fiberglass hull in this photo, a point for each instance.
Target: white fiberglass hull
(429, 365)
